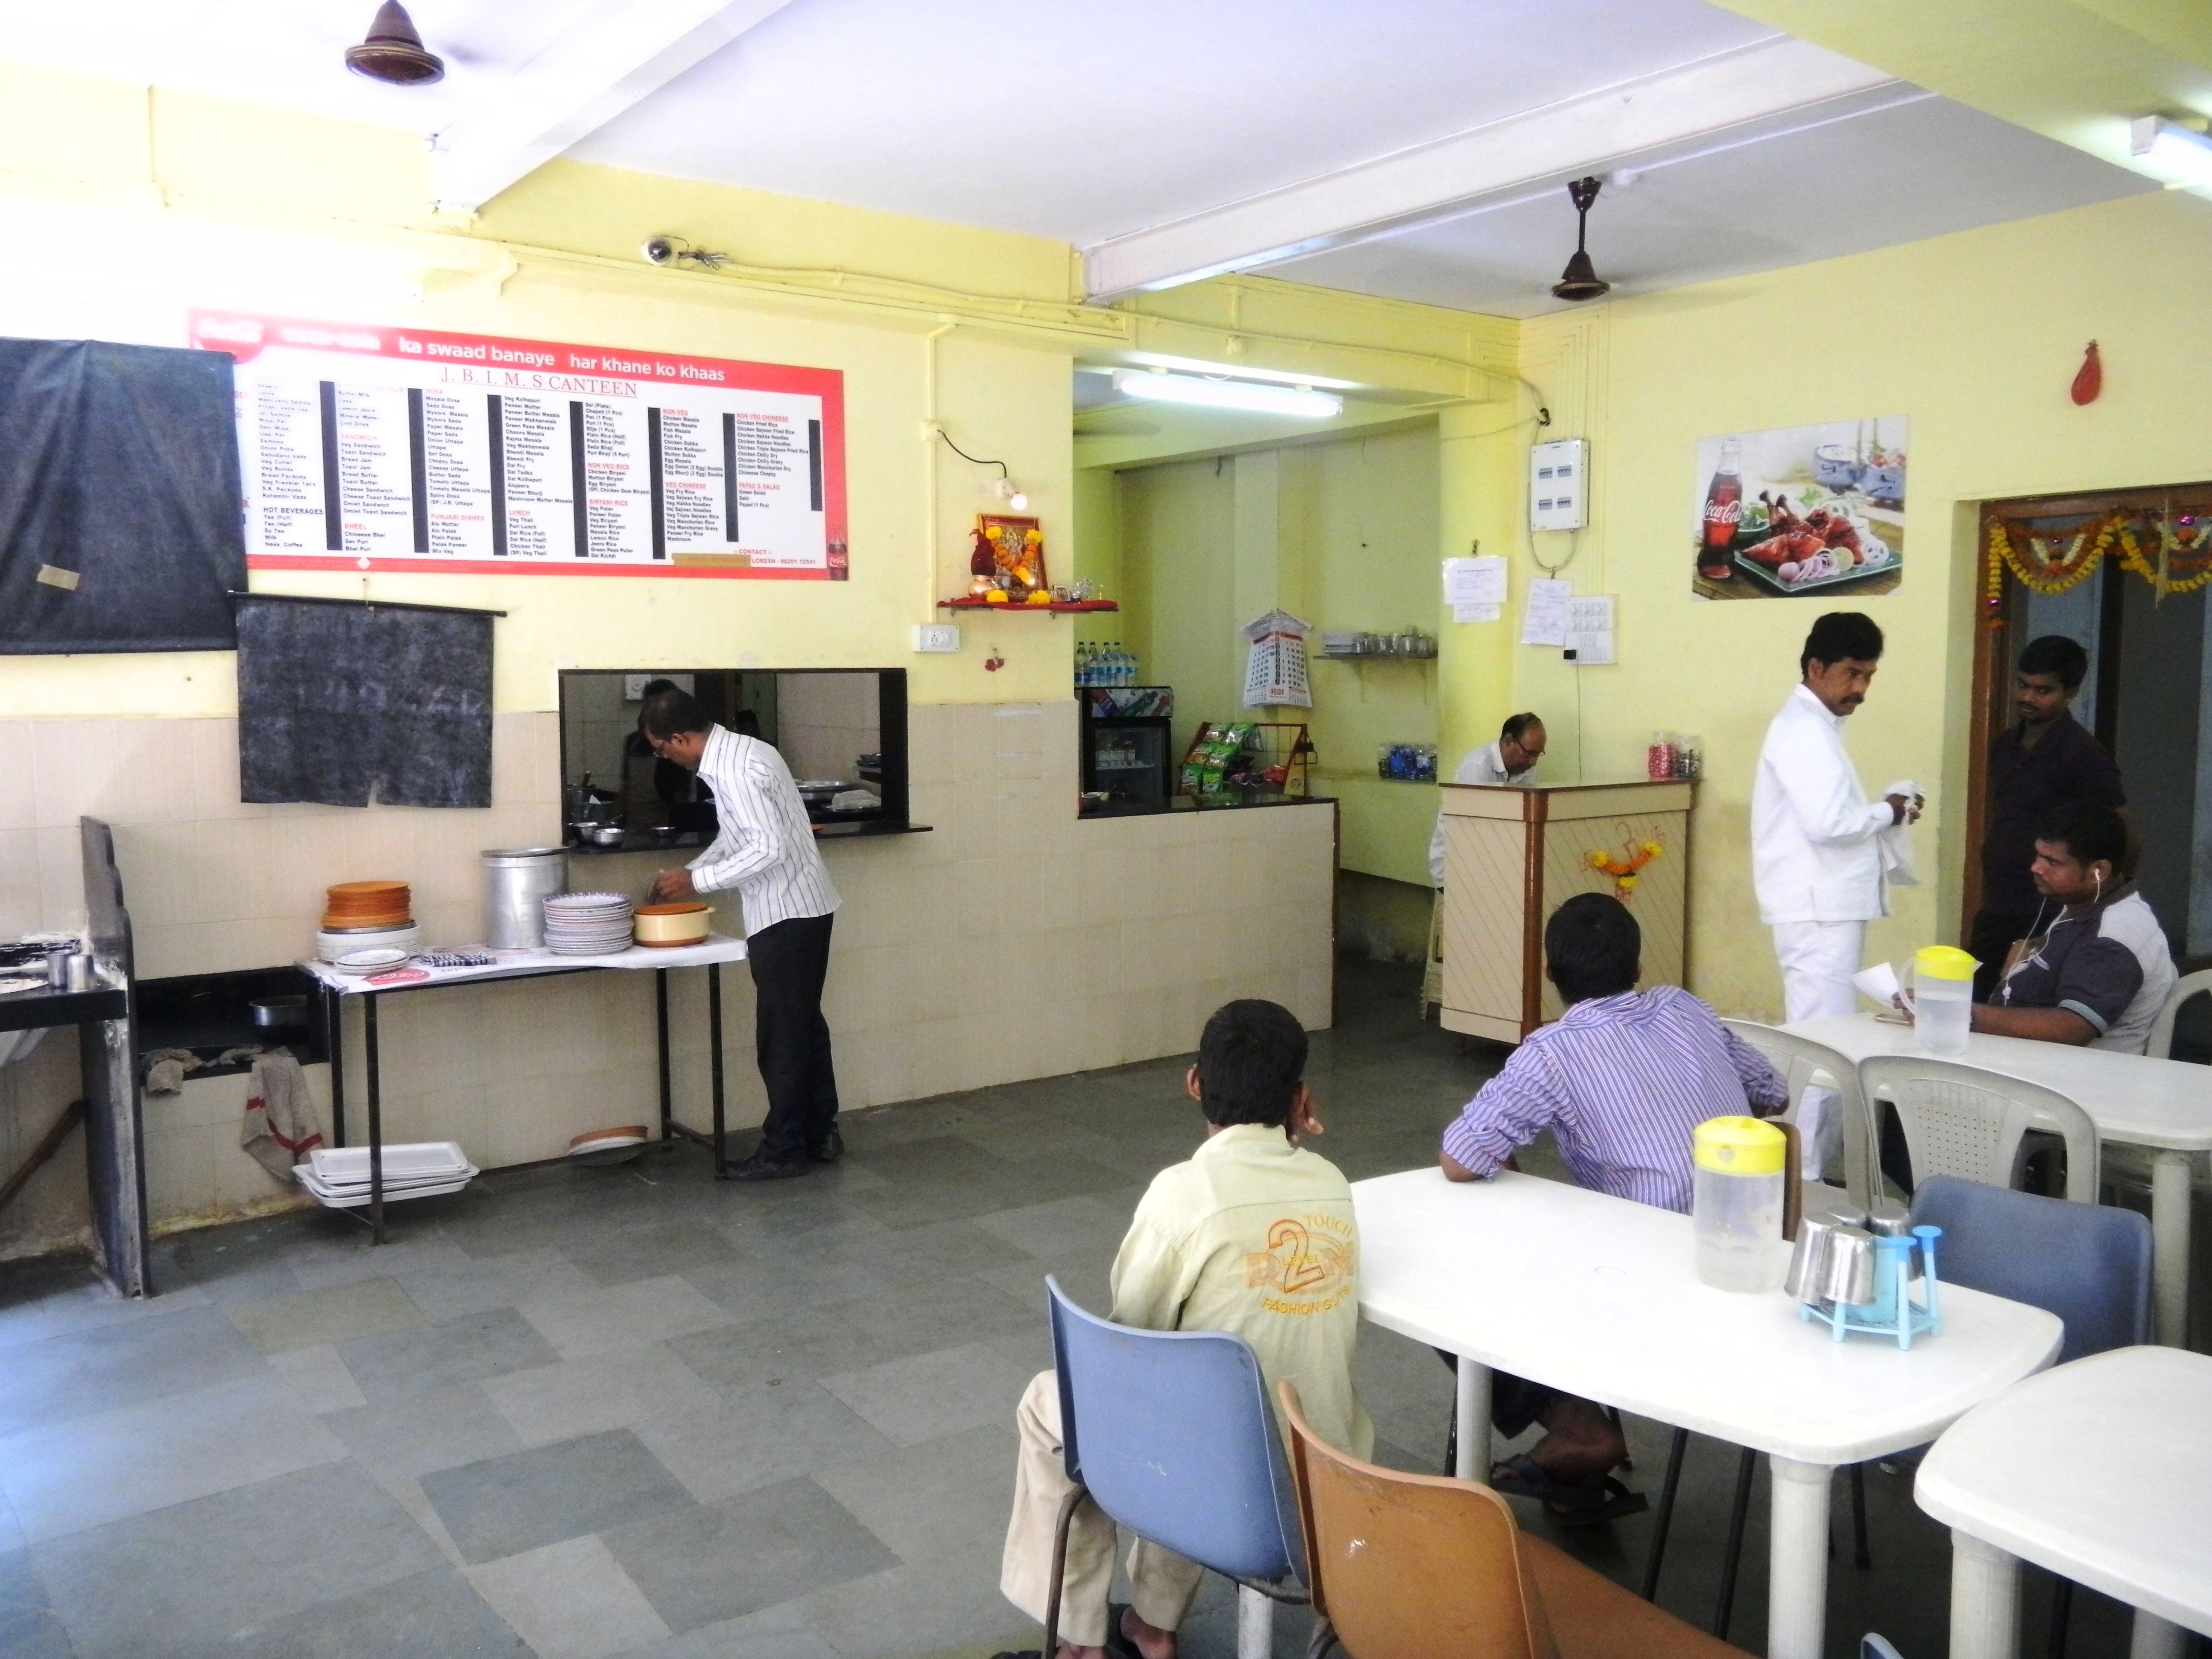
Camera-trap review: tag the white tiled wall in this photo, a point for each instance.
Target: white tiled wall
(1014, 941)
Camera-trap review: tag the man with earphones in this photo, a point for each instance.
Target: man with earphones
(2096, 969)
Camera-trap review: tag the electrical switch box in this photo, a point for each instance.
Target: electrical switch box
(937, 636)
(1558, 484)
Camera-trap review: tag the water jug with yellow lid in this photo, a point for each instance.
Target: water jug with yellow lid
(1742, 1182)
(1942, 999)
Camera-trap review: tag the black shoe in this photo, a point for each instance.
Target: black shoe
(757, 1168)
(831, 1149)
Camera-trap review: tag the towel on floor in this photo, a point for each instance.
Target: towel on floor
(166, 1069)
(281, 1126)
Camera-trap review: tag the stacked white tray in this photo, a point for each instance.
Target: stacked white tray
(587, 924)
(338, 1176)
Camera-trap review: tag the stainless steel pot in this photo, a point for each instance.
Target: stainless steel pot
(518, 880)
(280, 1014)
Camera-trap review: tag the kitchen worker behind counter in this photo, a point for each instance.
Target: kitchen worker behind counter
(1511, 759)
(764, 848)
(1821, 871)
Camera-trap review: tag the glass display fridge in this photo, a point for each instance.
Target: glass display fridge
(1128, 748)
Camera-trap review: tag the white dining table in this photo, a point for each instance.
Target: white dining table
(1597, 1296)
(2101, 1471)
(2162, 1104)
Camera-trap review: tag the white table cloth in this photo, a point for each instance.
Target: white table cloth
(2163, 1104)
(1598, 1295)
(2100, 1471)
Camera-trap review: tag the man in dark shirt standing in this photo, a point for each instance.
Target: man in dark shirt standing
(2042, 767)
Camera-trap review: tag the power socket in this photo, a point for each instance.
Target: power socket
(937, 636)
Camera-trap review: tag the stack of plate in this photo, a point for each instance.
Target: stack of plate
(361, 906)
(338, 1176)
(587, 924)
(330, 947)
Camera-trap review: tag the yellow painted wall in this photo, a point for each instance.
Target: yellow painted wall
(1975, 338)
(1344, 533)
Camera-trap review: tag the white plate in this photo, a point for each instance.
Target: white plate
(331, 946)
(361, 964)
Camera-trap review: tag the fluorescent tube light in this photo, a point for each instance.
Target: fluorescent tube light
(2187, 154)
(1301, 401)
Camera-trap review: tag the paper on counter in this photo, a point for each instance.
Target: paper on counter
(1545, 621)
(1878, 984)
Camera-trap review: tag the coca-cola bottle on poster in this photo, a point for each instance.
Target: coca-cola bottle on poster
(1723, 513)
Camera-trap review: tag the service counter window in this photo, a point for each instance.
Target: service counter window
(841, 731)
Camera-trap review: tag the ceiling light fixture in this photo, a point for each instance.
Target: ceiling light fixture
(1580, 280)
(393, 52)
(1156, 386)
(2181, 150)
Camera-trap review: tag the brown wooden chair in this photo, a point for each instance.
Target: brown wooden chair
(1422, 1567)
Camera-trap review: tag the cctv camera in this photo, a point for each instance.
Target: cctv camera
(660, 251)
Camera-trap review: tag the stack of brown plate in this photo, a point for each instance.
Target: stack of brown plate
(362, 907)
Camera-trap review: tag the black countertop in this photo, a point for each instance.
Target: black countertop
(1188, 804)
(26, 1011)
(693, 840)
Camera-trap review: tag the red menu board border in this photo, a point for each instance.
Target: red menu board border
(546, 366)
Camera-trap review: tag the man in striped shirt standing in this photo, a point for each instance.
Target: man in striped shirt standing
(1621, 1080)
(764, 848)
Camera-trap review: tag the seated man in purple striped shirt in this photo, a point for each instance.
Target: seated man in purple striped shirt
(1621, 1080)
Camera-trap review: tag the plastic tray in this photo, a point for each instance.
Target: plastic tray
(406, 1161)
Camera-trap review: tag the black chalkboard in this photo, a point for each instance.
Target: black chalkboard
(343, 702)
(119, 498)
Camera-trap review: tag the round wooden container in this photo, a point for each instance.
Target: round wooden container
(667, 925)
(356, 906)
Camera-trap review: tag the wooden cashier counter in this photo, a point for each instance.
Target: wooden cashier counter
(1515, 852)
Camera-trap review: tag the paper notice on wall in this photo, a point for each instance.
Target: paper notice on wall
(1275, 665)
(1474, 581)
(1545, 621)
(1477, 613)
(1589, 631)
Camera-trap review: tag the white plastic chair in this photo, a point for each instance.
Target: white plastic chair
(1804, 1063)
(2160, 1045)
(2127, 1168)
(1962, 1121)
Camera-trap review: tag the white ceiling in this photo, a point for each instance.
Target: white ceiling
(1091, 123)
(1896, 175)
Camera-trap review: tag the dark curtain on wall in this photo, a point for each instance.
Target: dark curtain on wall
(119, 498)
(342, 702)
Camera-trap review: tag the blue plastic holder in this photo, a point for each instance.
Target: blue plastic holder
(1893, 1312)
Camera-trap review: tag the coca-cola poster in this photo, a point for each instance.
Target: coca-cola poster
(1801, 510)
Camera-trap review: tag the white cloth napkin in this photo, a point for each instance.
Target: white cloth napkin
(1896, 841)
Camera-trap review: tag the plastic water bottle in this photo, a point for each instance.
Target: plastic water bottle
(1084, 668)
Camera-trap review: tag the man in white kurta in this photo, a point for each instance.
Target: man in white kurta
(1254, 1235)
(1816, 863)
(1511, 759)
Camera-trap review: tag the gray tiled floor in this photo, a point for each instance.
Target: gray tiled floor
(581, 1413)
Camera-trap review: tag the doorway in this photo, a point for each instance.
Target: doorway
(2124, 575)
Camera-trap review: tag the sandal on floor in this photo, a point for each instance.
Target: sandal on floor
(1119, 1646)
(1521, 1476)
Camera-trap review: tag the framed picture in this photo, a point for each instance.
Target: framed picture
(1014, 549)
(1801, 512)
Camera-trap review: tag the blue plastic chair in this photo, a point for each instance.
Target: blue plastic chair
(1171, 1434)
(2088, 1263)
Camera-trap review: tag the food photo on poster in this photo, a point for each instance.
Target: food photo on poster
(1801, 510)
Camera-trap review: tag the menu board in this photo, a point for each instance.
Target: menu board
(381, 448)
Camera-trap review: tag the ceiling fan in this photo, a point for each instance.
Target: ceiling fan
(1580, 280)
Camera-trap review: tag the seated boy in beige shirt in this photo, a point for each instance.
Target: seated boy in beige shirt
(1254, 1236)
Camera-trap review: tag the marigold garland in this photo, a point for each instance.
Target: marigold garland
(2184, 562)
(2033, 561)
(1623, 872)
